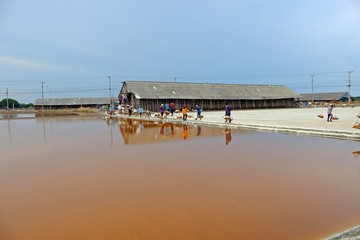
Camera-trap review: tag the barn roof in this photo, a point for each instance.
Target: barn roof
(71, 101)
(324, 96)
(182, 90)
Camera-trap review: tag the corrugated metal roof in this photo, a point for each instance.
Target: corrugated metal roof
(181, 90)
(71, 101)
(324, 96)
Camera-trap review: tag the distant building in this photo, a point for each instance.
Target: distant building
(209, 96)
(57, 103)
(325, 97)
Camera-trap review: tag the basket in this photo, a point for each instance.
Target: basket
(335, 118)
(356, 153)
(356, 125)
(320, 116)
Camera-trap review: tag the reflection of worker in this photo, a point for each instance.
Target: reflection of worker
(198, 131)
(162, 128)
(130, 128)
(185, 132)
(172, 130)
(227, 136)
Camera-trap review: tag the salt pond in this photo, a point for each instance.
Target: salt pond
(90, 178)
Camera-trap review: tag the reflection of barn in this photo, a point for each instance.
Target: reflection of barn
(209, 96)
(56, 103)
(142, 132)
(325, 97)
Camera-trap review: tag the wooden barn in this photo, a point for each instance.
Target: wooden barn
(58, 103)
(325, 97)
(209, 96)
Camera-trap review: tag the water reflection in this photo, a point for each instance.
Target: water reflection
(17, 116)
(8, 116)
(185, 132)
(9, 130)
(227, 136)
(44, 130)
(78, 185)
(198, 131)
(110, 123)
(356, 154)
(136, 131)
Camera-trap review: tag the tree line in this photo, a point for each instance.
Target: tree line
(14, 104)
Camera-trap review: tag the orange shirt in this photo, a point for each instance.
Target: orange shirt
(185, 110)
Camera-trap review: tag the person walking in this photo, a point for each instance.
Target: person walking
(140, 110)
(185, 110)
(329, 113)
(162, 110)
(198, 112)
(130, 110)
(227, 113)
(172, 108)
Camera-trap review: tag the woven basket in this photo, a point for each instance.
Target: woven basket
(356, 125)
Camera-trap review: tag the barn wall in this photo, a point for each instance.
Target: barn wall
(208, 105)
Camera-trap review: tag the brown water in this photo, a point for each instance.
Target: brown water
(80, 178)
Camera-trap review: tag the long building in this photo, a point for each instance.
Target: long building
(325, 97)
(209, 96)
(56, 103)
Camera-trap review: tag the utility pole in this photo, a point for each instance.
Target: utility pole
(175, 79)
(7, 100)
(110, 88)
(312, 88)
(42, 95)
(50, 96)
(349, 98)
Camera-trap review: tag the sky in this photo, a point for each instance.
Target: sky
(69, 48)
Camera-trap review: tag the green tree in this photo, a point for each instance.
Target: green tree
(12, 102)
(30, 105)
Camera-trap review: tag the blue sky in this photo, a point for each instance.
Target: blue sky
(74, 45)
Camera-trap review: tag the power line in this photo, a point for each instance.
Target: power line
(349, 72)
(110, 88)
(312, 88)
(42, 95)
(7, 99)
